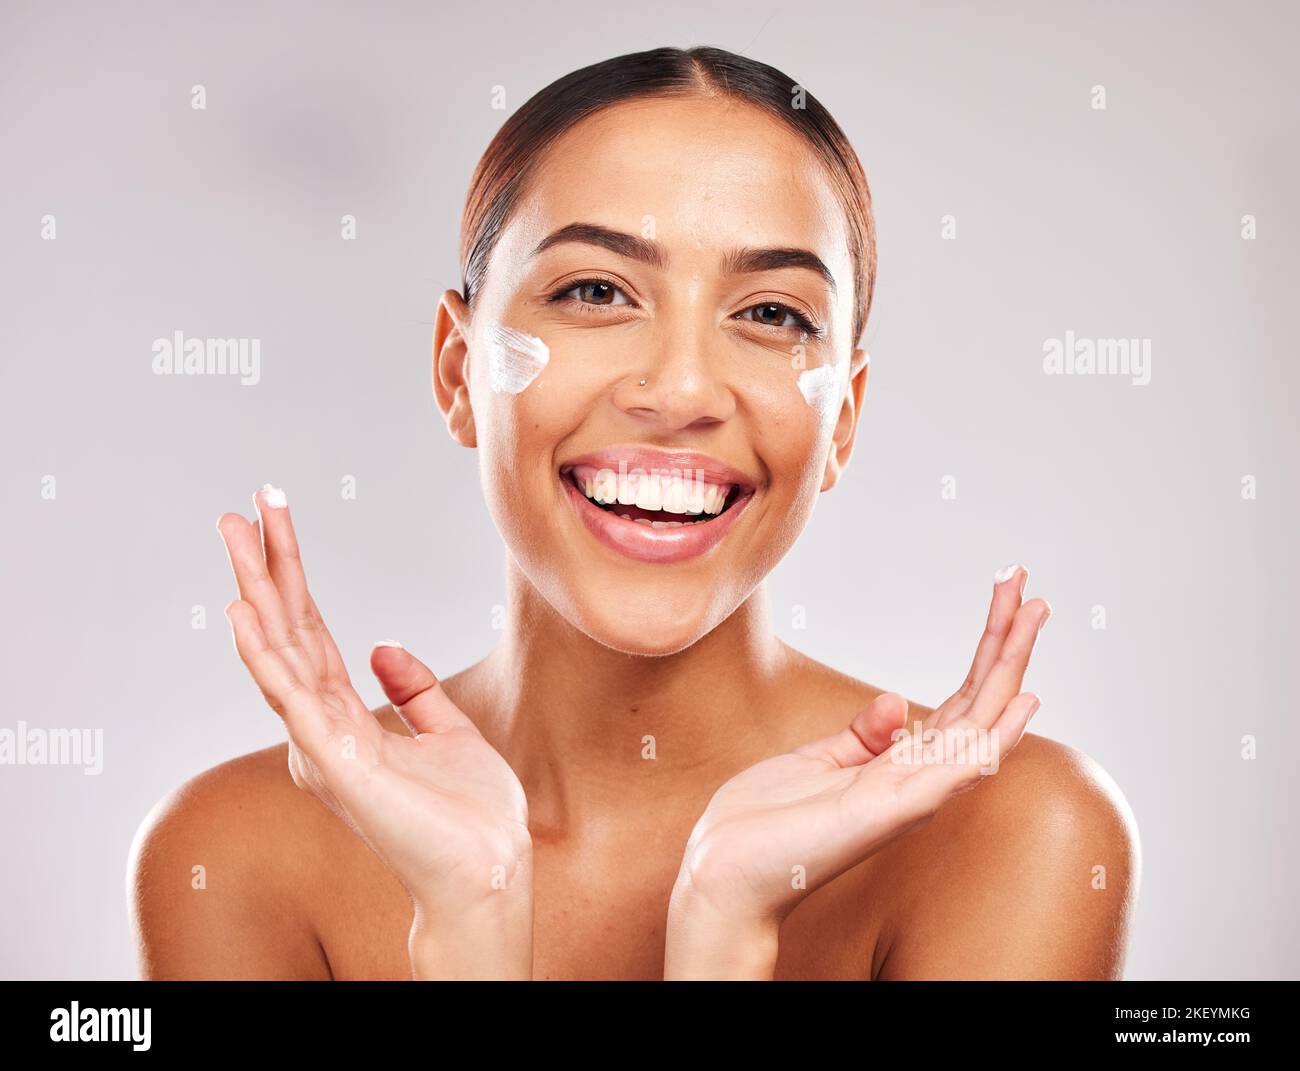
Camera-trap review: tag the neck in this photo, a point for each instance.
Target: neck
(588, 729)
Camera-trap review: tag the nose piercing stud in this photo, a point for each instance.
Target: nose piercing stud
(643, 382)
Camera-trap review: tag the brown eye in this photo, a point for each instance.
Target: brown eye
(592, 292)
(582, 295)
(774, 314)
(596, 293)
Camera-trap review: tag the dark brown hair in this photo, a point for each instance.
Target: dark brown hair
(504, 170)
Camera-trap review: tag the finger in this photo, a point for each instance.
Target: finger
(870, 733)
(336, 677)
(1008, 590)
(284, 563)
(414, 691)
(305, 718)
(1011, 725)
(959, 757)
(258, 589)
(1008, 670)
(332, 671)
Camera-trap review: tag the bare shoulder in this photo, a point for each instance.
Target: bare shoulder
(224, 873)
(1052, 795)
(1037, 868)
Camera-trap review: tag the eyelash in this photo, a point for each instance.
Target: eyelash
(562, 295)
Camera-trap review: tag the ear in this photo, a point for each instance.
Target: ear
(846, 425)
(451, 367)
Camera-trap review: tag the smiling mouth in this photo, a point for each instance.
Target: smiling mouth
(655, 499)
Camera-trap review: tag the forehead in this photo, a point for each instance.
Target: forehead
(708, 174)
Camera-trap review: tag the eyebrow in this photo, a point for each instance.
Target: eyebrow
(737, 262)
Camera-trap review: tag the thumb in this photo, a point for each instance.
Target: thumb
(414, 691)
(876, 725)
(865, 737)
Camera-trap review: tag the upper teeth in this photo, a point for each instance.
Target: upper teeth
(669, 491)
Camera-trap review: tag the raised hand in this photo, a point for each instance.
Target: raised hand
(440, 807)
(787, 825)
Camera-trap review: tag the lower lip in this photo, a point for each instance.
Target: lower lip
(647, 544)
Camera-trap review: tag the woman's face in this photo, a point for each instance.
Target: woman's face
(695, 245)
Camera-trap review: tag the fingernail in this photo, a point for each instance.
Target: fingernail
(1045, 617)
(1005, 573)
(389, 643)
(274, 497)
(1033, 708)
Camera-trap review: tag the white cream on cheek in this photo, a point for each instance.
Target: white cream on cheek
(823, 389)
(515, 358)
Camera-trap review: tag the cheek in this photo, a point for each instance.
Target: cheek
(520, 429)
(508, 384)
(524, 426)
(523, 431)
(793, 422)
(793, 416)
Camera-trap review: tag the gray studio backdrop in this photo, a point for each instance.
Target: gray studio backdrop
(1013, 210)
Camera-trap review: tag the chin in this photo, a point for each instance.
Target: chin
(658, 632)
(669, 639)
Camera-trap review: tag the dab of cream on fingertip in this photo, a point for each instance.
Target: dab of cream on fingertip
(274, 497)
(515, 358)
(1005, 573)
(389, 643)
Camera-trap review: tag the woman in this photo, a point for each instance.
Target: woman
(668, 263)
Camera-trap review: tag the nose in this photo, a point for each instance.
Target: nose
(683, 384)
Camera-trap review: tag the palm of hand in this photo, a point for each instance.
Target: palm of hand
(793, 822)
(440, 807)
